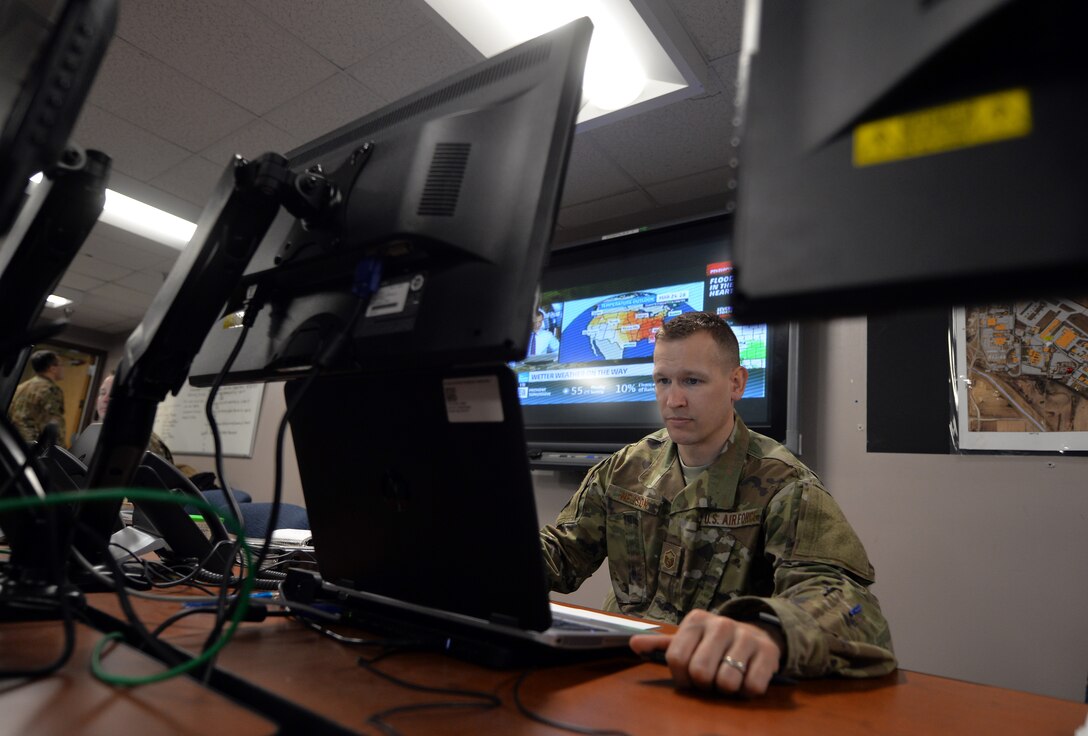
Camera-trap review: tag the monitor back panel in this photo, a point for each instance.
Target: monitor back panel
(418, 488)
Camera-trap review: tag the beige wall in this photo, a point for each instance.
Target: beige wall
(982, 560)
(256, 475)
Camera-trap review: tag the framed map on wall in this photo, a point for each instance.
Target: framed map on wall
(1020, 375)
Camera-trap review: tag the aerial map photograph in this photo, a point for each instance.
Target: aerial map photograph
(1027, 366)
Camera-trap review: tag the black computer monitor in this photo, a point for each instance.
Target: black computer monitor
(455, 190)
(902, 152)
(49, 54)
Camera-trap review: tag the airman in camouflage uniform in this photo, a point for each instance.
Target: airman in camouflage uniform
(155, 444)
(753, 533)
(39, 401)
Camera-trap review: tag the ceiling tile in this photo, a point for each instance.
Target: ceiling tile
(135, 151)
(146, 282)
(96, 312)
(604, 209)
(121, 327)
(136, 86)
(165, 265)
(251, 141)
(76, 295)
(591, 174)
(121, 295)
(78, 281)
(125, 255)
(117, 307)
(144, 192)
(89, 320)
(344, 31)
(715, 25)
(152, 249)
(425, 57)
(194, 179)
(335, 102)
(228, 47)
(686, 137)
(725, 69)
(715, 181)
(99, 319)
(97, 268)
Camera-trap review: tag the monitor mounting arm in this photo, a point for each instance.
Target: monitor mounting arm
(158, 354)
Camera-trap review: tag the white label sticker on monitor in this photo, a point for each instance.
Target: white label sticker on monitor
(388, 299)
(473, 399)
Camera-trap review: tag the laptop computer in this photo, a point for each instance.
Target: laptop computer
(423, 515)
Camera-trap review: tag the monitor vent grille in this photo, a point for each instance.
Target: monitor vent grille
(532, 56)
(444, 179)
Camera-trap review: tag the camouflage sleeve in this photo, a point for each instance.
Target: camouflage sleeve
(53, 403)
(574, 547)
(26, 428)
(158, 447)
(831, 620)
(53, 410)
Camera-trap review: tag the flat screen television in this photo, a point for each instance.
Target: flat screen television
(586, 384)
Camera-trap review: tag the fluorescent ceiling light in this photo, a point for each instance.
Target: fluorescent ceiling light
(627, 64)
(55, 301)
(142, 219)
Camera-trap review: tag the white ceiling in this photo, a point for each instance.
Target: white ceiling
(187, 83)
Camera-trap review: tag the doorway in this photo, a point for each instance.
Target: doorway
(79, 384)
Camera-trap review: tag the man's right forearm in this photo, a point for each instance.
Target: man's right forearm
(565, 565)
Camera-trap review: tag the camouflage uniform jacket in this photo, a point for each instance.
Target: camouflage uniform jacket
(157, 446)
(36, 403)
(756, 532)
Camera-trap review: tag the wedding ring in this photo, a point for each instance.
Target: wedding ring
(736, 664)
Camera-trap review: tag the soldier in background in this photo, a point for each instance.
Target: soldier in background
(722, 530)
(39, 402)
(155, 444)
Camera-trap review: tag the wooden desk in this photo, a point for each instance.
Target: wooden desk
(72, 701)
(321, 675)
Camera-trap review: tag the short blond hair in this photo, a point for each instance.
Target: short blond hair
(689, 323)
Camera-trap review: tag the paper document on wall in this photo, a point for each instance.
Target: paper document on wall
(182, 425)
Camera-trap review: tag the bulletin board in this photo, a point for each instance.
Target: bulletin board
(182, 425)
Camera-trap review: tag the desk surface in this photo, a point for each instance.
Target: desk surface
(72, 701)
(289, 660)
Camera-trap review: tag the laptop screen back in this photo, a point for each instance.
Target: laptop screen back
(418, 489)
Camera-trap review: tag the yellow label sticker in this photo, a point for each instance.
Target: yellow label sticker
(973, 122)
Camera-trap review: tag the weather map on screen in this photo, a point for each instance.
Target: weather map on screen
(623, 326)
(599, 349)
